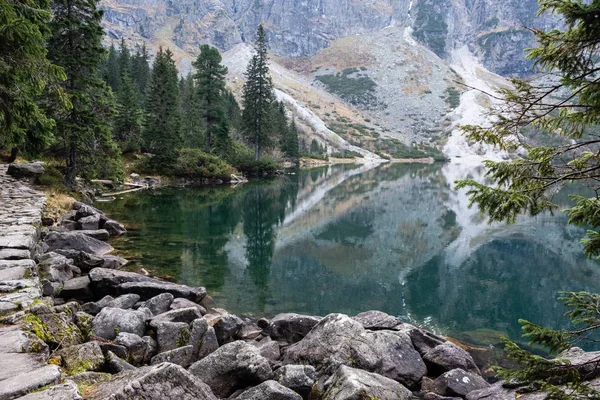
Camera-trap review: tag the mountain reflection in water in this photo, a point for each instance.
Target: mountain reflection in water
(393, 237)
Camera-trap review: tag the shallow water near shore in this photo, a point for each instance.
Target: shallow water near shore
(351, 238)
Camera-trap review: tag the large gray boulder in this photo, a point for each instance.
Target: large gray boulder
(171, 335)
(159, 304)
(377, 320)
(203, 338)
(339, 340)
(354, 384)
(81, 358)
(458, 383)
(114, 228)
(81, 259)
(269, 390)
(137, 348)
(100, 234)
(77, 288)
(161, 382)
(55, 267)
(233, 366)
(90, 223)
(299, 378)
(68, 391)
(180, 356)
(186, 315)
(21, 384)
(227, 327)
(105, 281)
(112, 321)
(76, 241)
(29, 170)
(587, 361)
(448, 356)
(152, 287)
(291, 327)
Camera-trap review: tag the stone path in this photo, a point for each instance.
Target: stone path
(23, 357)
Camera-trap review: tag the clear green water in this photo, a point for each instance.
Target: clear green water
(395, 238)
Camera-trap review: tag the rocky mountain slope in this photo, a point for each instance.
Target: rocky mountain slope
(373, 77)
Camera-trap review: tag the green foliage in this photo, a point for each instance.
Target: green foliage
(129, 117)
(195, 163)
(192, 126)
(290, 145)
(528, 184)
(258, 98)
(211, 95)
(242, 158)
(162, 136)
(83, 132)
(24, 74)
(359, 91)
(453, 98)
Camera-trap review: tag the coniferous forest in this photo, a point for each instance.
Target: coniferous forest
(94, 112)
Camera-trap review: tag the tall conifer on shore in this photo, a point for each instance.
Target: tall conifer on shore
(258, 98)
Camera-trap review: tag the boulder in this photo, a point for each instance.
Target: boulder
(20, 385)
(458, 383)
(376, 320)
(100, 234)
(292, 327)
(68, 391)
(29, 170)
(171, 335)
(76, 241)
(55, 267)
(114, 228)
(83, 210)
(125, 301)
(180, 356)
(584, 360)
(299, 378)
(90, 223)
(159, 304)
(160, 382)
(136, 346)
(112, 321)
(116, 349)
(113, 262)
(152, 287)
(77, 288)
(14, 254)
(81, 358)
(494, 392)
(185, 303)
(268, 348)
(269, 390)
(203, 338)
(339, 340)
(249, 331)
(227, 327)
(55, 328)
(448, 356)
(354, 384)
(233, 366)
(423, 340)
(186, 315)
(106, 281)
(116, 365)
(81, 259)
(84, 321)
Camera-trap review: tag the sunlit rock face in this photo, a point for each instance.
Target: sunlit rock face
(494, 30)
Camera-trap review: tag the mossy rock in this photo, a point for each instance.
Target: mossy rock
(81, 358)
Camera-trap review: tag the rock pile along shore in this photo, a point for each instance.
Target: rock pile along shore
(76, 326)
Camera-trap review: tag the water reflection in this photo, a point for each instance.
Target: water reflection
(394, 237)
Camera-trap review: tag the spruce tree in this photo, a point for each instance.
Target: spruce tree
(129, 117)
(124, 59)
(291, 146)
(110, 71)
(279, 124)
(140, 72)
(192, 124)
(258, 98)
(234, 113)
(24, 73)
(84, 134)
(210, 87)
(162, 135)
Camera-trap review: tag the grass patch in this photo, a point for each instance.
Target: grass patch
(358, 91)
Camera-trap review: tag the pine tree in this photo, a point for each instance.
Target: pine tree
(234, 113)
(110, 68)
(210, 87)
(258, 98)
(279, 124)
(124, 59)
(569, 108)
(291, 146)
(24, 73)
(162, 135)
(140, 72)
(192, 124)
(84, 134)
(129, 117)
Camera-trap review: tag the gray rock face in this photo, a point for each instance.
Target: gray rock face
(112, 321)
(292, 327)
(355, 384)
(339, 340)
(82, 358)
(22, 384)
(114, 228)
(76, 241)
(448, 356)
(180, 356)
(203, 338)
(68, 391)
(159, 304)
(458, 383)
(150, 288)
(269, 390)
(233, 366)
(161, 382)
(55, 268)
(171, 335)
(227, 327)
(299, 378)
(29, 170)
